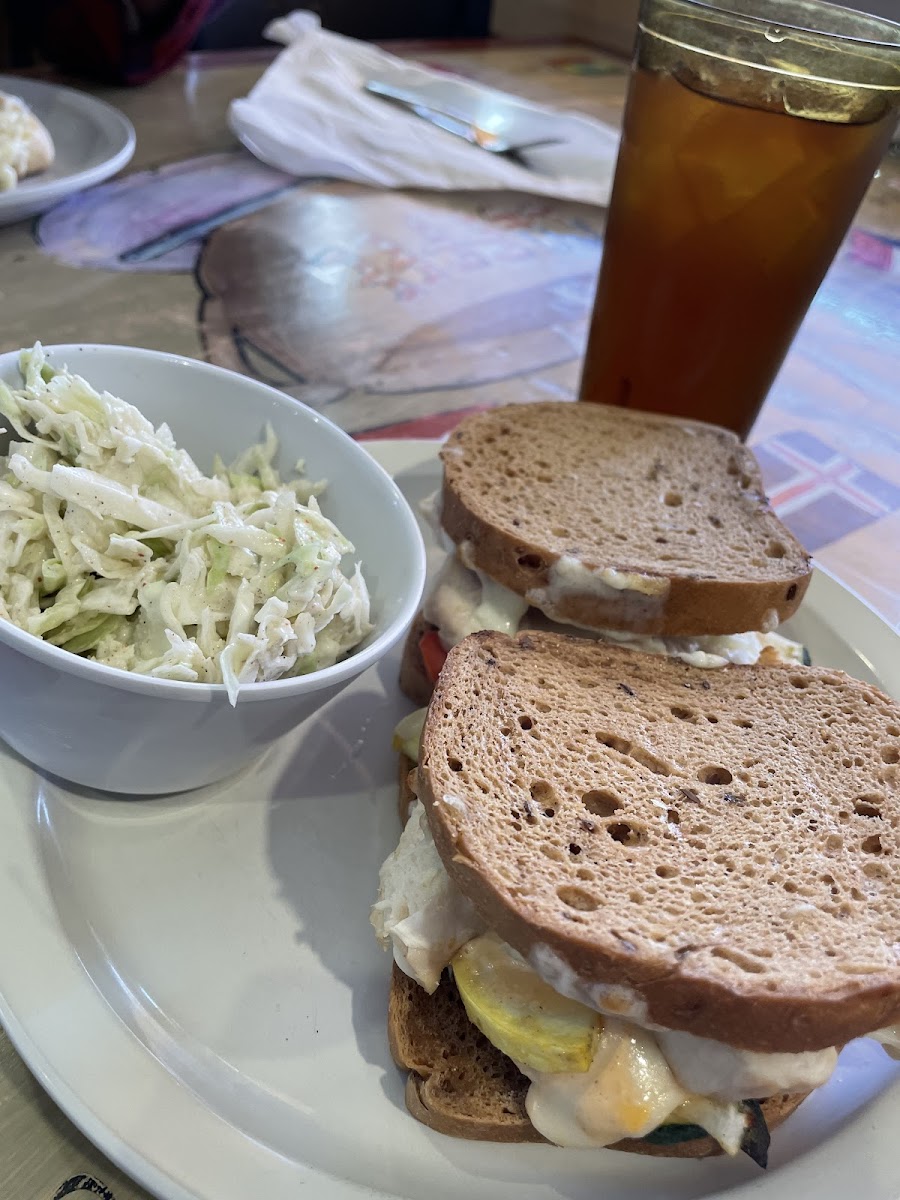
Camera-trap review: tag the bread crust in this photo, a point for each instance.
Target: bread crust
(696, 602)
(460, 1085)
(697, 974)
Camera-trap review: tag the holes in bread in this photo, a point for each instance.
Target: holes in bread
(683, 714)
(525, 722)
(531, 562)
(673, 499)
(791, 592)
(718, 776)
(559, 531)
(577, 898)
(867, 806)
(715, 521)
(890, 754)
(454, 764)
(673, 816)
(585, 874)
(626, 833)
(601, 803)
(636, 753)
(875, 870)
(775, 549)
(574, 849)
(552, 852)
(542, 793)
(872, 845)
(666, 872)
(800, 681)
(743, 962)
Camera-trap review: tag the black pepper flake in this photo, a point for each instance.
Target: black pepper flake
(626, 689)
(587, 826)
(731, 798)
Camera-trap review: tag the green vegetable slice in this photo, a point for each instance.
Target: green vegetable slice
(755, 1143)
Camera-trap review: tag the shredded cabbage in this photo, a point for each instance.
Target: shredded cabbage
(115, 545)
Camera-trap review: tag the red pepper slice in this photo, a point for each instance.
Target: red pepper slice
(433, 654)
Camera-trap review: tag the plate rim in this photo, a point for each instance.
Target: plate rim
(88, 1011)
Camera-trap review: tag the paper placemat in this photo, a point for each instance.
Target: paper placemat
(42, 1154)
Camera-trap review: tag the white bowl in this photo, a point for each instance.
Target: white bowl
(109, 729)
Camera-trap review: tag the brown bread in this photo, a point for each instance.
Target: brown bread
(461, 1085)
(723, 843)
(679, 503)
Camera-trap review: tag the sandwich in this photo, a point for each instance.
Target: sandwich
(647, 530)
(26, 147)
(637, 903)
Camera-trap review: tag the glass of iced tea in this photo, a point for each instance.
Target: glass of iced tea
(752, 130)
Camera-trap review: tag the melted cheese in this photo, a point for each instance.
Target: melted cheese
(713, 1069)
(627, 1091)
(420, 913)
(463, 601)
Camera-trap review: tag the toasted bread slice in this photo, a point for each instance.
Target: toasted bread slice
(463, 1086)
(710, 851)
(608, 518)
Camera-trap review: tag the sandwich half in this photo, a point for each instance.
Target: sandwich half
(641, 529)
(640, 904)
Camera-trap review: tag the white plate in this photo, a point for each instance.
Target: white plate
(93, 140)
(196, 983)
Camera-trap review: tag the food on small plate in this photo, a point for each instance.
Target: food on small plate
(116, 546)
(641, 529)
(26, 147)
(637, 903)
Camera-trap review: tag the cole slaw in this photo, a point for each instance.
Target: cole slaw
(115, 545)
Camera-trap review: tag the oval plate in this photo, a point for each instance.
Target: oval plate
(195, 982)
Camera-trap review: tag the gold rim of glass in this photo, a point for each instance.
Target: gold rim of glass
(732, 8)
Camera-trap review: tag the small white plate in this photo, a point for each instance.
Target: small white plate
(195, 981)
(92, 139)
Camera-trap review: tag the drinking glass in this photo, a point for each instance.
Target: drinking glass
(752, 130)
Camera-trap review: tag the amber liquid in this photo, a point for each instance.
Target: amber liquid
(722, 224)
